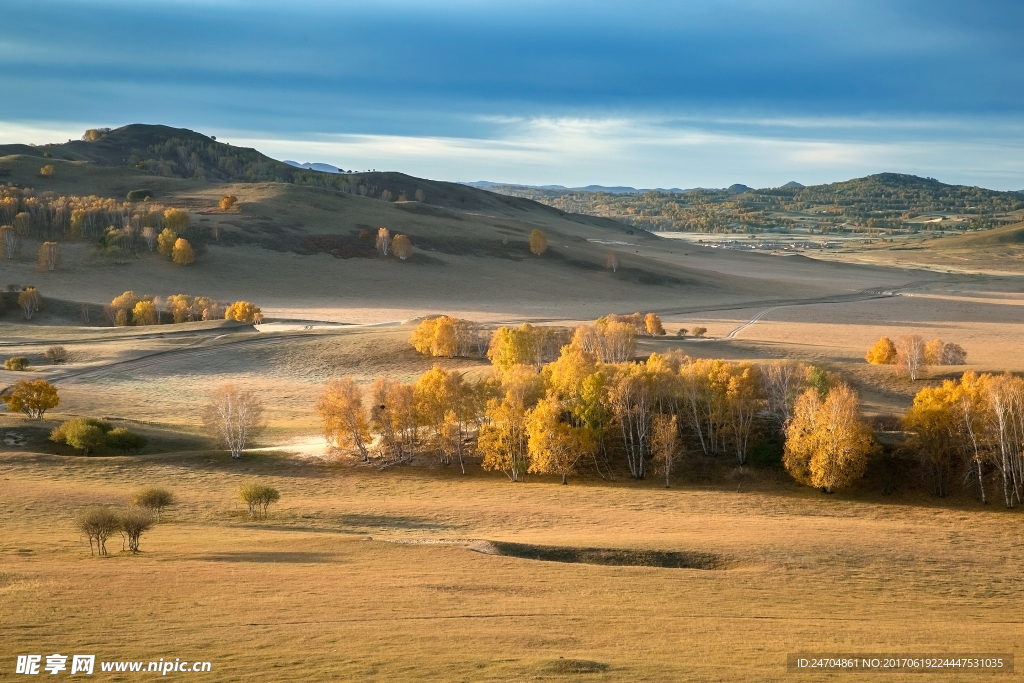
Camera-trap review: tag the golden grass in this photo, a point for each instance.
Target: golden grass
(305, 595)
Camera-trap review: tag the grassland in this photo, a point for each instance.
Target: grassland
(362, 574)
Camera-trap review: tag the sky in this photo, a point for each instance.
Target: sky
(649, 93)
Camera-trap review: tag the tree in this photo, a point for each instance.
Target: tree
(383, 240)
(258, 497)
(744, 401)
(882, 353)
(420, 195)
(49, 256)
(401, 246)
(228, 201)
(243, 312)
(125, 441)
(555, 447)
(936, 433)
(182, 253)
(56, 354)
(32, 397)
(538, 242)
(936, 352)
(10, 241)
(165, 241)
(144, 313)
(395, 417)
(341, 409)
(122, 307)
(149, 236)
(910, 359)
(612, 260)
(154, 498)
(47, 171)
(652, 323)
(30, 301)
(133, 523)
(16, 363)
(503, 439)
(177, 221)
(827, 444)
(98, 523)
(665, 446)
(233, 417)
(699, 332)
(81, 433)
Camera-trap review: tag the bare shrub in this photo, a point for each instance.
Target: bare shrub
(98, 523)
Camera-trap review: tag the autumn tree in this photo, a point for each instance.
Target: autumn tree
(122, 307)
(910, 358)
(56, 354)
(149, 237)
(258, 497)
(165, 241)
(937, 352)
(182, 253)
(827, 444)
(47, 171)
(154, 498)
(743, 401)
(503, 439)
(437, 393)
(30, 301)
(632, 397)
(49, 256)
(10, 241)
(538, 242)
(610, 341)
(32, 397)
(395, 417)
(665, 445)
(341, 410)
(554, 445)
(652, 324)
(125, 441)
(177, 221)
(937, 435)
(401, 246)
(882, 353)
(383, 240)
(233, 417)
(145, 313)
(228, 201)
(244, 312)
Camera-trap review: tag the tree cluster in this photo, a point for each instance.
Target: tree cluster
(911, 355)
(99, 523)
(971, 427)
(450, 337)
(258, 497)
(87, 434)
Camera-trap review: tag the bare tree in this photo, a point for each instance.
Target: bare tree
(149, 236)
(98, 523)
(233, 416)
(612, 260)
(10, 241)
(133, 523)
(910, 356)
(344, 417)
(49, 256)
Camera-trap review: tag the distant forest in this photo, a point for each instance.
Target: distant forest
(886, 202)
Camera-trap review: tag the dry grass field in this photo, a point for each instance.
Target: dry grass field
(406, 573)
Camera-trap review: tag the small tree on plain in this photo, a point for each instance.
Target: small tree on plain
(98, 523)
(81, 433)
(56, 355)
(228, 201)
(383, 240)
(345, 421)
(47, 171)
(233, 417)
(125, 441)
(30, 301)
(182, 253)
(243, 312)
(401, 246)
(910, 358)
(32, 397)
(699, 332)
(154, 498)
(538, 242)
(682, 332)
(133, 523)
(652, 323)
(258, 498)
(49, 256)
(882, 353)
(16, 363)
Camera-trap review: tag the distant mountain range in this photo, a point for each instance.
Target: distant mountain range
(323, 168)
(616, 189)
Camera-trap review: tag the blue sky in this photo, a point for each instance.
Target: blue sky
(642, 93)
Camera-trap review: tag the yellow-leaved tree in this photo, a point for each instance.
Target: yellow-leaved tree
(503, 439)
(554, 446)
(538, 242)
(827, 444)
(345, 422)
(243, 312)
(882, 353)
(165, 241)
(182, 253)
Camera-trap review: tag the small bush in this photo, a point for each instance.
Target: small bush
(82, 433)
(140, 195)
(258, 497)
(125, 441)
(154, 498)
(17, 363)
(56, 354)
(47, 171)
(699, 332)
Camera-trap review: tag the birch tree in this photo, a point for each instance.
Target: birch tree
(233, 417)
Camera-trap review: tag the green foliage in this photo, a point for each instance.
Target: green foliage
(258, 497)
(125, 441)
(140, 195)
(154, 498)
(16, 363)
(766, 453)
(83, 433)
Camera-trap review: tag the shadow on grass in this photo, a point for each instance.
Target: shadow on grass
(611, 556)
(393, 522)
(270, 556)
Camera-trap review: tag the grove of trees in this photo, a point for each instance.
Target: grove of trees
(911, 355)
